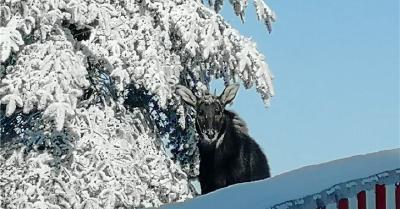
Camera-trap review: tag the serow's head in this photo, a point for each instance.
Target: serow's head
(209, 110)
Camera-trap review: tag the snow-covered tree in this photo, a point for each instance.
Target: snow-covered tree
(89, 117)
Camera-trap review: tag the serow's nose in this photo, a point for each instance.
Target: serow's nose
(210, 133)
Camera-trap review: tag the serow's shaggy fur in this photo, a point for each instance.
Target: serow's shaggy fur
(228, 155)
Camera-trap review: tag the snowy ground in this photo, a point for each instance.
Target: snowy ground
(303, 182)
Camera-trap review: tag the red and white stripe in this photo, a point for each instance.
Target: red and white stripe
(381, 197)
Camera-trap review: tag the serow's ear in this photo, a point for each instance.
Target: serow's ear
(229, 93)
(186, 95)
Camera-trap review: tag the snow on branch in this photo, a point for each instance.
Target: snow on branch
(46, 74)
(10, 37)
(117, 163)
(263, 11)
(69, 135)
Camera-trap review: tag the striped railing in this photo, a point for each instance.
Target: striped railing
(380, 191)
(381, 197)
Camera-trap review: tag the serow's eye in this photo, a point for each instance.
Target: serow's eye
(200, 113)
(218, 111)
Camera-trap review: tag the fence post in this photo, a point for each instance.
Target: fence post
(343, 204)
(397, 195)
(380, 196)
(362, 200)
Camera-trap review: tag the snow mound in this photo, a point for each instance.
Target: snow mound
(326, 181)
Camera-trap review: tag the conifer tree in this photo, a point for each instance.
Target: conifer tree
(89, 117)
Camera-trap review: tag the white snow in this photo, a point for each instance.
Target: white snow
(296, 184)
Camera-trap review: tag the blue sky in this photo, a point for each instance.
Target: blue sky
(336, 68)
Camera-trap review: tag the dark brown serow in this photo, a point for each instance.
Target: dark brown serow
(228, 155)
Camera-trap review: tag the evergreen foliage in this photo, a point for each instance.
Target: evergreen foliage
(88, 103)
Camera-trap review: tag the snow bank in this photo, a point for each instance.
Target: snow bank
(309, 181)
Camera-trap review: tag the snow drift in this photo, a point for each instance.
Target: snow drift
(326, 181)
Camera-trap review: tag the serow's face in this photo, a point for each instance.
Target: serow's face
(210, 110)
(209, 119)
